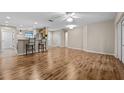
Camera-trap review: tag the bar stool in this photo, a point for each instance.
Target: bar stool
(42, 45)
(30, 46)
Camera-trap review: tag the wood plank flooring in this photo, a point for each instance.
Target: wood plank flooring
(60, 64)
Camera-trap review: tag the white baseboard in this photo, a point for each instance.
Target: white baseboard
(98, 52)
(55, 46)
(74, 48)
(92, 51)
(89, 51)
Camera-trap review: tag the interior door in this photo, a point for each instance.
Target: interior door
(123, 44)
(49, 39)
(57, 39)
(66, 39)
(7, 39)
(119, 41)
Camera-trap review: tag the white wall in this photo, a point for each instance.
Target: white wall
(84, 37)
(97, 37)
(100, 37)
(75, 38)
(56, 38)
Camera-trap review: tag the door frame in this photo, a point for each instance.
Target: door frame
(121, 29)
(66, 39)
(2, 38)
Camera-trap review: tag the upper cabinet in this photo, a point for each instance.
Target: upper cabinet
(43, 32)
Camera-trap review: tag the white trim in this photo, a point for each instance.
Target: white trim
(92, 51)
(74, 48)
(55, 46)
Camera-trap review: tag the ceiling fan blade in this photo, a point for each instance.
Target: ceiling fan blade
(75, 17)
(72, 14)
(57, 17)
(65, 17)
(54, 18)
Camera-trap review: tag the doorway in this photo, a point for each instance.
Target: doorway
(121, 40)
(66, 39)
(57, 39)
(7, 39)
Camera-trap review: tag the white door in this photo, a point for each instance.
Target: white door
(49, 39)
(57, 39)
(123, 44)
(7, 39)
(119, 41)
(66, 39)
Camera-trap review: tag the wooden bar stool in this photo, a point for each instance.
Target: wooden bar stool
(42, 45)
(30, 46)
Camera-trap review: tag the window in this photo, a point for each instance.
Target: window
(29, 34)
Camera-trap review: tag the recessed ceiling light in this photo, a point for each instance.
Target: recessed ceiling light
(35, 23)
(8, 17)
(69, 19)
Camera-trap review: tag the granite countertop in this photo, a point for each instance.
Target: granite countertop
(22, 39)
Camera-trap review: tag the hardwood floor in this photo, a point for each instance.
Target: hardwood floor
(60, 64)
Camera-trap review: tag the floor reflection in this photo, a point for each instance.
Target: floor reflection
(60, 64)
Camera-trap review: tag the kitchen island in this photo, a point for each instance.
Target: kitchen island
(21, 46)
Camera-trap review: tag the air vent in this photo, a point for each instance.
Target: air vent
(50, 20)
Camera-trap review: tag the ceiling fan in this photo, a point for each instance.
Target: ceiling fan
(68, 16)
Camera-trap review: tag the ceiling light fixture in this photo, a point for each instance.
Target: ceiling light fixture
(71, 26)
(35, 23)
(8, 17)
(72, 14)
(70, 19)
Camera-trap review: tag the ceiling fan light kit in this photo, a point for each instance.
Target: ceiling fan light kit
(71, 26)
(70, 19)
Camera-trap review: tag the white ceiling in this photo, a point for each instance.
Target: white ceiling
(27, 19)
